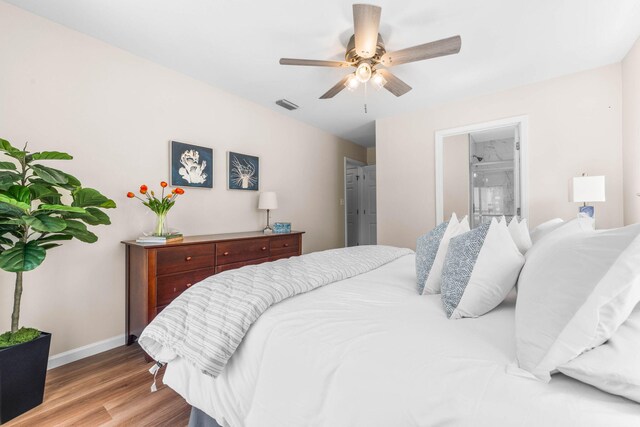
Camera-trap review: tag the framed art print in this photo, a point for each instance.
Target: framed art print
(191, 165)
(243, 172)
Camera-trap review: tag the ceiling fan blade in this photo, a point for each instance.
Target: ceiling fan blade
(442, 47)
(313, 62)
(336, 89)
(366, 21)
(394, 84)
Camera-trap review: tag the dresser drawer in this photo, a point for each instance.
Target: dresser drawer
(243, 250)
(284, 244)
(234, 265)
(169, 287)
(184, 258)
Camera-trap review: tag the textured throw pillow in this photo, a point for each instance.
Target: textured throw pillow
(615, 365)
(433, 281)
(427, 247)
(480, 269)
(520, 234)
(576, 288)
(430, 251)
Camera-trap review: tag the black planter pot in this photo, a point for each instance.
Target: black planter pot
(23, 369)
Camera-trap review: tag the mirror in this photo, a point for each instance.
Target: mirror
(479, 173)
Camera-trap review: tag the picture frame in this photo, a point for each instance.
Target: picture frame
(190, 165)
(243, 172)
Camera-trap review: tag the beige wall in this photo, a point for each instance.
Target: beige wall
(455, 159)
(61, 90)
(631, 133)
(574, 127)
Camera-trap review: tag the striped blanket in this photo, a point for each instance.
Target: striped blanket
(207, 322)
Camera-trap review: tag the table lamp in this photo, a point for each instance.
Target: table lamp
(587, 189)
(268, 201)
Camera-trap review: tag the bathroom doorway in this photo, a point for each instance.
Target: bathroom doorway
(481, 171)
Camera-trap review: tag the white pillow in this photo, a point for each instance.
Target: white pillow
(614, 366)
(559, 231)
(575, 289)
(520, 234)
(480, 269)
(434, 277)
(464, 224)
(545, 228)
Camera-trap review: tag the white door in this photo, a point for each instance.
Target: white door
(351, 181)
(368, 233)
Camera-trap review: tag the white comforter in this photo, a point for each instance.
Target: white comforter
(370, 351)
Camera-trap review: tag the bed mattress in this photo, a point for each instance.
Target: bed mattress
(370, 351)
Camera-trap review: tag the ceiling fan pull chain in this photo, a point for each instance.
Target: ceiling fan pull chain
(365, 97)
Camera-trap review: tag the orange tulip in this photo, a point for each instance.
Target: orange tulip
(163, 184)
(130, 195)
(179, 190)
(143, 189)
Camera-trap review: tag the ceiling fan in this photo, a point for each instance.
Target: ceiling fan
(367, 54)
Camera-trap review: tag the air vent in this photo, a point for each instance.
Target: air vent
(287, 104)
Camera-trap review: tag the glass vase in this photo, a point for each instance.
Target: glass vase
(161, 228)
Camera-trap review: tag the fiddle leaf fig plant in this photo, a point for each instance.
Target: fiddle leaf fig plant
(40, 207)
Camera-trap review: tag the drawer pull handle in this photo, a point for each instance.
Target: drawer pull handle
(175, 290)
(286, 245)
(225, 254)
(264, 248)
(188, 258)
(188, 285)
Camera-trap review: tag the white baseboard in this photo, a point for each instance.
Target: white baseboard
(85, 351)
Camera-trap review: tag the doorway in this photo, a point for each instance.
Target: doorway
(481, 171)
(359, 203)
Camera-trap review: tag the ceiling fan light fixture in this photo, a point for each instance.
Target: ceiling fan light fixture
(366, 50)
(378, 80)
(352, 83)
(363, 72)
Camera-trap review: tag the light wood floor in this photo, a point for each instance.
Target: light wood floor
(108, 389)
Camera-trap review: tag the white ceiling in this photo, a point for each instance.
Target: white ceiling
(236, 44)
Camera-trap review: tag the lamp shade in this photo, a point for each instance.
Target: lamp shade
(268, 200)
(587, 189)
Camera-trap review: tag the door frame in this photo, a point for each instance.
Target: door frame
(347, 160)
(440, 135)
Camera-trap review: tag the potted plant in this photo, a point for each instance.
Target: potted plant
(35, 217)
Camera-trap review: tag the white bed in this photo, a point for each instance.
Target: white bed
(370, 351)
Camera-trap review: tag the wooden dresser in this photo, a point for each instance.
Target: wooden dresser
(157, 274)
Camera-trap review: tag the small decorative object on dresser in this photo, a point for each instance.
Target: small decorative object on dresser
(587, 189)
(282, 227)
(157, 274)
(160, 206)
(191, 165)
(243, 172)
(267, 201)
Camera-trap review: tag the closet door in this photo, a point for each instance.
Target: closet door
(369, 213)
(352, 207)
